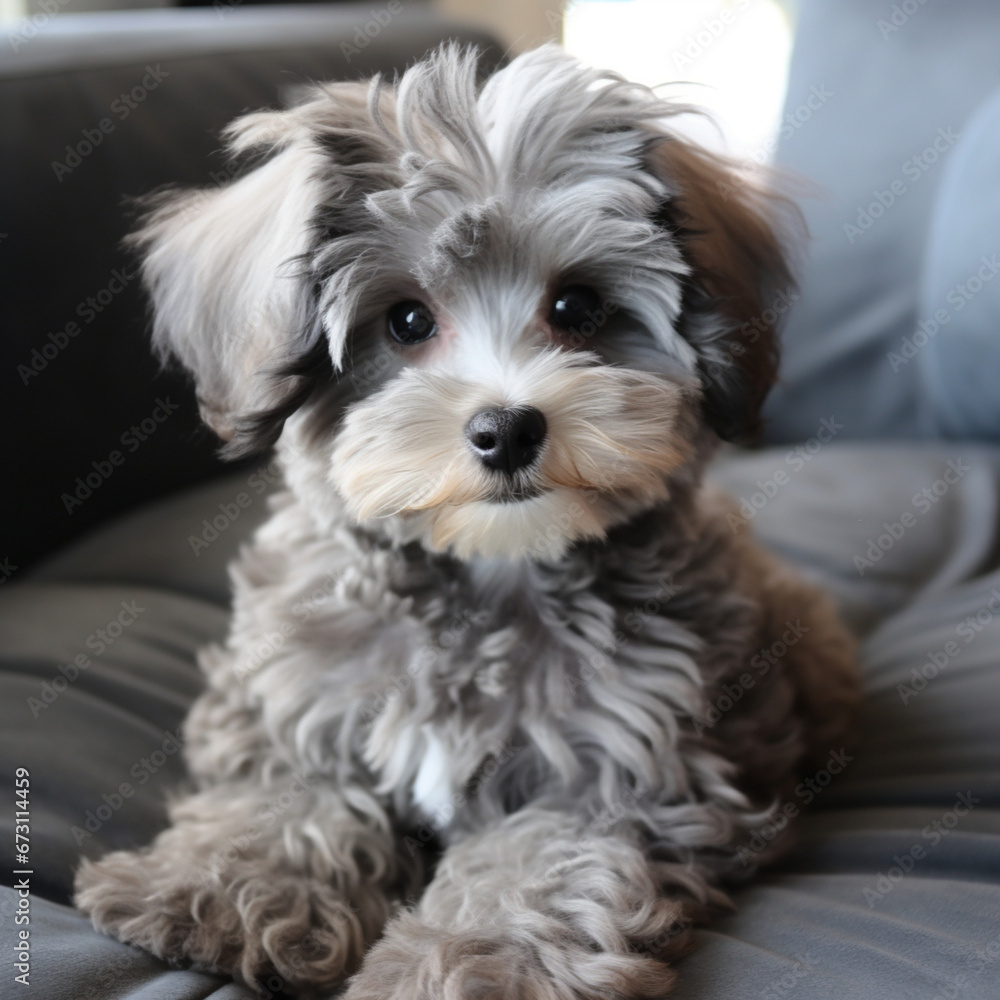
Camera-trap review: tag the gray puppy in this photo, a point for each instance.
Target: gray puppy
(486, 724)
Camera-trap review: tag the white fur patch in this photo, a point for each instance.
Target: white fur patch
(432, 786)
(610, 441)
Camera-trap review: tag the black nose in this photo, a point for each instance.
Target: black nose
(506, 440)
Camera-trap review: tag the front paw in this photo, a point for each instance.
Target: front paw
(272, 931)
(127, 898)
(414, 961)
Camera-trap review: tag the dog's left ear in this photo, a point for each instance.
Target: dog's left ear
(740, 279)
(225, 267)
(220, 268)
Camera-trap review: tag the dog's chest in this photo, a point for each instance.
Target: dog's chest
(521, 688)
(465, 696)
(434, 780)
(433, 789)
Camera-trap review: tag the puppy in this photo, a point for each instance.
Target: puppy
(470, 734)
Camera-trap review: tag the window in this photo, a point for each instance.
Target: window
(729, 57)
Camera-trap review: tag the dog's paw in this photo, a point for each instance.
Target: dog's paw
(416, 962)
(272, 931)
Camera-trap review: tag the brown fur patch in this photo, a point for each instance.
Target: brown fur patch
(734, 243)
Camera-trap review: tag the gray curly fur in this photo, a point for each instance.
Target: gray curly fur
(445, 768)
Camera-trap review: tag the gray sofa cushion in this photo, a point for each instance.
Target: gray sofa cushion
(899, 82)
(68, 960)
(65, 213)
(957, 348)
(877, 901)
(97, 678)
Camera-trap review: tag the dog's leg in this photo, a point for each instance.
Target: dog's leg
(283, 886)
(537, 908)
(819, 654)
(820, 657)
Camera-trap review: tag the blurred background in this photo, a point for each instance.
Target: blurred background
(888, 403)
(729, 56)
(67, 66)
(886, 112)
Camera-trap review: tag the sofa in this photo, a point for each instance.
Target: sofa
(879, 478)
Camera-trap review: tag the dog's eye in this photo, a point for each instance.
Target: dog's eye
(411, 322)
(574, 306)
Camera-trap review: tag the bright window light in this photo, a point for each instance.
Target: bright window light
(729, 57)
(13, 10)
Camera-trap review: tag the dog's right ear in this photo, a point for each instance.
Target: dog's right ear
(735, 237)
(227, 269)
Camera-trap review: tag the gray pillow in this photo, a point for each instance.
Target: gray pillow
(957, 350)
(896, 84)
(877, 902)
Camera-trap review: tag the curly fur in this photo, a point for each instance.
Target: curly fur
(459, 742)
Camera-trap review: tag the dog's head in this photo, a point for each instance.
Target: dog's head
(495, 318)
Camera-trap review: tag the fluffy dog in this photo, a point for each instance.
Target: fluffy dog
(475, 732)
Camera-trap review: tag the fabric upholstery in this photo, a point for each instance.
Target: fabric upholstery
(957, 350)
(878, 96)
(840, 918)
(97, 109)
(894, 889)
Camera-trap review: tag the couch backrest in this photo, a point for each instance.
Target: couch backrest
(94, 108)
(878, 98)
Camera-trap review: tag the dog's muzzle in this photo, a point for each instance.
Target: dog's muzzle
(506, 440)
